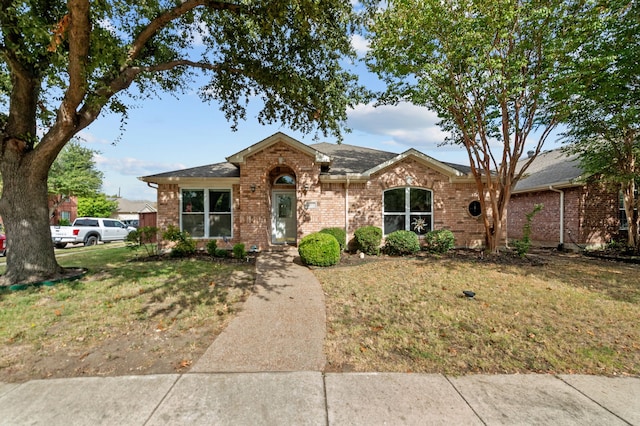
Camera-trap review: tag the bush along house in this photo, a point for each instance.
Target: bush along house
(279, 190)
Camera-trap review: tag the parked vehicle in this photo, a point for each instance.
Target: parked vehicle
(89, 231)
(3, 245)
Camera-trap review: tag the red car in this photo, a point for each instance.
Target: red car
(3, 245)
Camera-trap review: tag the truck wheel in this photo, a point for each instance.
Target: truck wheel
(91, 241)
(60, 245)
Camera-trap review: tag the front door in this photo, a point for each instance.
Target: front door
(283, 217)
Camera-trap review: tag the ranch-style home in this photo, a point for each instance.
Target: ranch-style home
(579, 211)
(279, 190)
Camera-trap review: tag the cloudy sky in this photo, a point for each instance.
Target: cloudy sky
(169, 134)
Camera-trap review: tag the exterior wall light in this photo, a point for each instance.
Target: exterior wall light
(253, 187)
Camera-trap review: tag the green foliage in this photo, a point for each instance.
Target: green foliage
(319, 249)
(64, 222)
(143, 237)
(98, 206)
(339, 234)
(400, 243)
(487, 68)
(57, 77)
(222, 253)
(368, 239)
(184, 244)
(523, 245)
(238, 251)
(439, 241)
(212, 246)
(74, 172)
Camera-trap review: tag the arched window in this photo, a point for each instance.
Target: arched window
(409, 209)
(285, 180)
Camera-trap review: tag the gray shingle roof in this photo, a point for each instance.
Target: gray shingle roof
(550, 168)
(218, 170)
(345, 159)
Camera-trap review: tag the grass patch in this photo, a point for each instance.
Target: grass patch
(565, 315)
(122, 317)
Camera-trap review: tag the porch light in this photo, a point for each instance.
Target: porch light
(253, 187)
(306, 187)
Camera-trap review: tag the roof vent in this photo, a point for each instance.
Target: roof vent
(531, 153)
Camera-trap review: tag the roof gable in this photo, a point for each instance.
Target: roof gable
(240, 157)
(432, 163)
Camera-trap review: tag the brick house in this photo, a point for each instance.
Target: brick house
(279, 190)
(578, 211)
(63, 208)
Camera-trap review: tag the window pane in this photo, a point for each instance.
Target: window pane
(219, 225)
(193, 201)
(420, 200)
(285, 180)
(420, 224)
(393, 223)
(220, 201)
(394, 200)
(193, 224)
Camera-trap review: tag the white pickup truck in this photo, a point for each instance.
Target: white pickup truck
(88, 231)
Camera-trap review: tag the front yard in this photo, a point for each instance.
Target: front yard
(558, 314)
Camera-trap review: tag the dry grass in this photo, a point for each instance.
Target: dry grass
(123, 317)
(568, 314)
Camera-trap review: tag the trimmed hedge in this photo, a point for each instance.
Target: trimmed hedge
(339, 234)
(400, 243)
(368, 239)
(440, 241)
(319, 249)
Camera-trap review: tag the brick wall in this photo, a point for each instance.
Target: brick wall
(322, 205)
(590, 216)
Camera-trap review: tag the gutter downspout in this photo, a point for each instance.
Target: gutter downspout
(551, 188)
(346, 208)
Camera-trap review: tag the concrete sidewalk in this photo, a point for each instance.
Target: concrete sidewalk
(266, 369)
(314, 398)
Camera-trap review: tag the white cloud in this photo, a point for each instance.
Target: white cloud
(406, 124)
(90, 138)
(360, 44)
(134, 167)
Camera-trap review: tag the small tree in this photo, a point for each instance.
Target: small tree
(523, 245)
(487, 68)
(144, 237)
(98, 206)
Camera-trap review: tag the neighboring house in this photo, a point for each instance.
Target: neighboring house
(579, 211)
(130, 210)
(62, 208)
(280, 190)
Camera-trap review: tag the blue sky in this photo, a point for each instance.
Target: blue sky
(172, 133)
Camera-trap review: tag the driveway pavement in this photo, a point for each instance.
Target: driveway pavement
(266, 368)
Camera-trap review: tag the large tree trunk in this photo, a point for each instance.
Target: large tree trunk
(24, 209)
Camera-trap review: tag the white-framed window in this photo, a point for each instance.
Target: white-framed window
(409, 209)
(65, 215)
(206, 213)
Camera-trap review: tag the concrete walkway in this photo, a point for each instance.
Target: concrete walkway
(266, 369)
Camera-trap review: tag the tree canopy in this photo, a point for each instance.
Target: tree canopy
(487, 67)
(602, 92)
(63, 63)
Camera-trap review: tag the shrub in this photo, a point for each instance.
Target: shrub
(319, 249)
(239, 252)
(184, 244)
(64, 222)
(339, 234)
(212, 246)
(368, 239)
(143, 237)
(400, 243)
(440, 241)
(524, 245)
(221, 253)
